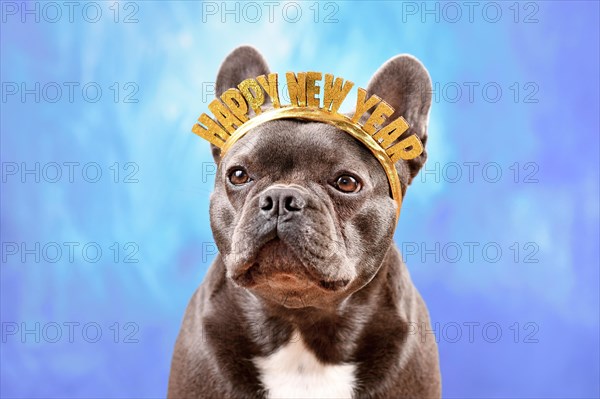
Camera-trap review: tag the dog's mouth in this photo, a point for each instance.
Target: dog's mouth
(275, 268)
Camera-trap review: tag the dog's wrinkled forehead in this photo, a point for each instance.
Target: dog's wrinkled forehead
(287, 146)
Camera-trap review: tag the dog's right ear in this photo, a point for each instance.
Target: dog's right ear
(242, 63)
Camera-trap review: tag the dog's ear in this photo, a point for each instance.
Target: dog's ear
(404, 83)
(242, 63)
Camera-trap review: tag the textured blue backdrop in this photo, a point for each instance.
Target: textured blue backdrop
(114, 88)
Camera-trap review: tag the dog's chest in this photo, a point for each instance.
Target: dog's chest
(293, 371)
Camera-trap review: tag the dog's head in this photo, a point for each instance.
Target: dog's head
(302, 213)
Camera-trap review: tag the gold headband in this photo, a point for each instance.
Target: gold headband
(233, 121)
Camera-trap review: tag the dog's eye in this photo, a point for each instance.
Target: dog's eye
(238, 176)
(347, 184)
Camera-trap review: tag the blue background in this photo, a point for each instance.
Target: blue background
(171, 55)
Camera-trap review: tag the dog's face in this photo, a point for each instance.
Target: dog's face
(302, 212)
(309, 212)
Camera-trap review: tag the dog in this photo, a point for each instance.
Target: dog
(308, 296)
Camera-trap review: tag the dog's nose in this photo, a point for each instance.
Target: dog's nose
(279, 201)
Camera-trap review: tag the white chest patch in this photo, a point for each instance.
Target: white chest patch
(293, 372)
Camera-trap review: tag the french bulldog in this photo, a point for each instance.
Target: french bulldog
(308, 296)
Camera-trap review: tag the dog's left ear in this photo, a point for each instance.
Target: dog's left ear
(404, 83)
